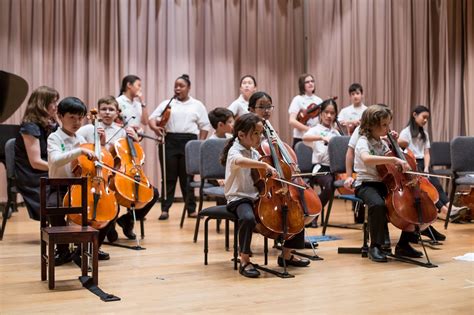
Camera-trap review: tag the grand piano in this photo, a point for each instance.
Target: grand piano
(13, 90)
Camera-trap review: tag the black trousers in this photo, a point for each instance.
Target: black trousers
(60, 220)
(243, 208)
(373, 194)
(326, 184)
(141, 213)
(443, 198)
(176, 168)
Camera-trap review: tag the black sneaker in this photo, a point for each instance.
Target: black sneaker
(433, 234)
(127, 227)
(407, 251)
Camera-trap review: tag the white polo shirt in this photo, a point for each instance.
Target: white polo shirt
(130, 108)
(301, 102)
(415, 144)
(186, 117)
(239, 107)
(320, 150)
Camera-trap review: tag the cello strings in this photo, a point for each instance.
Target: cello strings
(121, 174)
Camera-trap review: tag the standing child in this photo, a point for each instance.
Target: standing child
(415, 138)
(306, 96)
(239, 157)
(187, 121)
(222, 120)
(318, 138)
(349, 117)
(369, 153)
(248, 86)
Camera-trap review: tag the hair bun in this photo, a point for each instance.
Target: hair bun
(185, 76)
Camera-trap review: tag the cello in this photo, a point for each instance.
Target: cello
(411, 198)
(130, 158)
(276, 213)
(101, 202)
(307, 198)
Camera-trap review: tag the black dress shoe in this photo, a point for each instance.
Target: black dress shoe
(164, 216)
(127, 227)
(293, 262)
(103, 255)
(407, 251)
(62, 258)
(386, 249)
(377, 255)
(248, 270)
(433, 234)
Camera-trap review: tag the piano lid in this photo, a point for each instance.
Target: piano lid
(13, 90)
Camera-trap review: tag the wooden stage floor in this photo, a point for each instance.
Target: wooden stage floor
(169, 277)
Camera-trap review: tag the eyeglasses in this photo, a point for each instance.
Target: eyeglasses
(309, 81)
(266, 108)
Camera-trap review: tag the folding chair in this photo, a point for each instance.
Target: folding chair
(210, 168)
(12, 191)
(192, 152)
(462, 166)
(337, 149)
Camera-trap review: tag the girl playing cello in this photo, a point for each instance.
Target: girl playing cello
(415, 138)
(369, 152)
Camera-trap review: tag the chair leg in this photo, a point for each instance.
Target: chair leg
(4, 220)
(227, 235)
(51, 265)
(43, 261)
(198, 219)
(185, 206)
(365, 227)
(326, 220)
(84, 259)
(206, 240)
(236, 231)
(95, 260)
(265, 250)
(451, 200)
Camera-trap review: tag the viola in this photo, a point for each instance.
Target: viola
(132, 188)
(411, 198)
(101, 202)
(465, 197)
(275, 200)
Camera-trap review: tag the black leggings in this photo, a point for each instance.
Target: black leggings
(243, 208)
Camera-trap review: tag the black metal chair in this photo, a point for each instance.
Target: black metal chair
(440, 161)
(337, 148)
(192, 153)
(79, 234)
(12, 191)
(210, 169)
(462, 166)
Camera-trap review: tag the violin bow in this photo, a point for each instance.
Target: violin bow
(97, 163)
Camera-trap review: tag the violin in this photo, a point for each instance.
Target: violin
(411, 198)
(312, 111)
(465, 197)
(275, 205)
(132, 188)
(101, 202)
